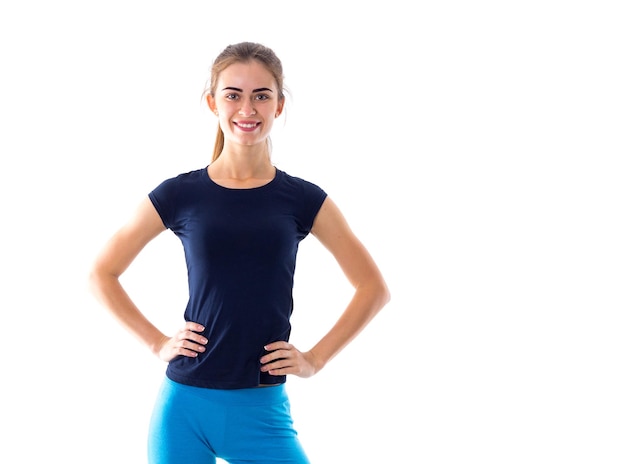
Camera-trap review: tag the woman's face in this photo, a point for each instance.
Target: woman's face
(247, 102)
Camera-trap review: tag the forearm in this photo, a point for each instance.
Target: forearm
(364, 305)
(108, 290)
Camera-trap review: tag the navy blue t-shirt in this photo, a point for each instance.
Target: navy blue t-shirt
(240, 248)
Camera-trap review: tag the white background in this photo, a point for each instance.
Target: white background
(475, 147)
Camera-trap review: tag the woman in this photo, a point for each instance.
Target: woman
(240, 221)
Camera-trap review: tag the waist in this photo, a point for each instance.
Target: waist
(239, 396)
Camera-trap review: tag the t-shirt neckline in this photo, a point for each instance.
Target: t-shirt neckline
(267, 185)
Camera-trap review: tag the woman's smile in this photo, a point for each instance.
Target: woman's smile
(247, 126)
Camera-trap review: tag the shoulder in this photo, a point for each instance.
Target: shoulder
(304, 197)
(189, 177)
(181, 187)
(173, 196)
(303, 185)
(182, 180)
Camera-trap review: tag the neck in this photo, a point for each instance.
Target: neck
(242, 166)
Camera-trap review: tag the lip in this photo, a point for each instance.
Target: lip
(247, 126)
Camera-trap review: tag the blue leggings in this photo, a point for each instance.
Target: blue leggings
(197, 425)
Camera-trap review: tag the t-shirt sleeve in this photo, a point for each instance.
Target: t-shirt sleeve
(314, 197)
(163, 198)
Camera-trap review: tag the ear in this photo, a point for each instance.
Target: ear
(211, 102)
(279, 109)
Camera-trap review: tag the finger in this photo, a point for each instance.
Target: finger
(189, 345)
(274, 355)
(187, 352)
(276, 366)
(185, 334)
(278, 360)
(194, 326)
(282, 367)
(187, 348)
(277, 346)
(196, 338)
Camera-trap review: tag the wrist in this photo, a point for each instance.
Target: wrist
(157, 344)
(316, 360)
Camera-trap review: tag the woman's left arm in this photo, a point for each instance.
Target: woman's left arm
(370, 296)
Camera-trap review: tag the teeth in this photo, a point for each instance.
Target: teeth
(247, 126)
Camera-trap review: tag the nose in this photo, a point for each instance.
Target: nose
(247, 109)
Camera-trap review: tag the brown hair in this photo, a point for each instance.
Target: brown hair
(243, 52)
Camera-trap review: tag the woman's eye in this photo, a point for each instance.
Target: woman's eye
(262, 97)
(231, 96)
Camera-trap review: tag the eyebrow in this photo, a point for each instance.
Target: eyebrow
(262, 89)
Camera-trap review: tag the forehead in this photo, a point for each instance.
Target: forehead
(246, 76)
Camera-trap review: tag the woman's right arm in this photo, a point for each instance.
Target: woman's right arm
(118, 253)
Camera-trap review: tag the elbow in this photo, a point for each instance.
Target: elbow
(385, 295)
(377, 292)
(380, 295)
(94, 280)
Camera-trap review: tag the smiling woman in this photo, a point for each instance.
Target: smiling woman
(246, 102)
(477, 148)
(240, 220)
(244, 86)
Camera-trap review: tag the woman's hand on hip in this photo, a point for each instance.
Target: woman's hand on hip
(188, 341)
(284, 358)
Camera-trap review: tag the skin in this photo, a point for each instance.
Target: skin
(247, 103)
